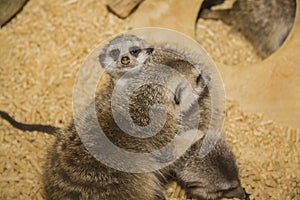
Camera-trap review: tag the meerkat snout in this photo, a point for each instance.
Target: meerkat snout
(125, 60)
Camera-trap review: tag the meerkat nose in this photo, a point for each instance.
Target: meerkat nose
(125, 60)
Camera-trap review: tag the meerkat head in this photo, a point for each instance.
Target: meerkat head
(124, 53)
(214, 176)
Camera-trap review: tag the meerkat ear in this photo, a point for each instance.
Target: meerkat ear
(178, 95)
(149, 50)
(203, 80)
(101, 59)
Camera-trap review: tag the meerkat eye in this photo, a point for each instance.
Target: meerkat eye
(134, 51)
(114, 53)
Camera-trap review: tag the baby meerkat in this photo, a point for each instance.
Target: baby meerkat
(265, 23)
(151, 76)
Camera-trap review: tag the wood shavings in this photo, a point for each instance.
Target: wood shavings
(225, 45)
(41, 52)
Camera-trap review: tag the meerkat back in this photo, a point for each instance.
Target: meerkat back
(73, 173)
(265, 23)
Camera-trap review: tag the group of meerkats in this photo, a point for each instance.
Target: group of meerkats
(134, 65)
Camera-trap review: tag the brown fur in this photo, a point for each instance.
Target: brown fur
(212, 177)
(265, 23)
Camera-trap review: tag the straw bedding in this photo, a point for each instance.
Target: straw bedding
(41, 52)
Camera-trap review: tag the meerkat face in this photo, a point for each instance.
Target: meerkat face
(125, 53)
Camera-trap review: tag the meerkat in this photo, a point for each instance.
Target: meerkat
(216, 175)
(72, 172)
(265, 23)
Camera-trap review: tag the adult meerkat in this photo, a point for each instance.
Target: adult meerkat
(72, 172)
(265, 23)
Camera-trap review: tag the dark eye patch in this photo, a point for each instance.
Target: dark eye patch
(134, 51)
(114, 53)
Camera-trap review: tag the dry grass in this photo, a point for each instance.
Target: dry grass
(41, 52)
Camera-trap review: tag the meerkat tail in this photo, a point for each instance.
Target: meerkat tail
(29, 127)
